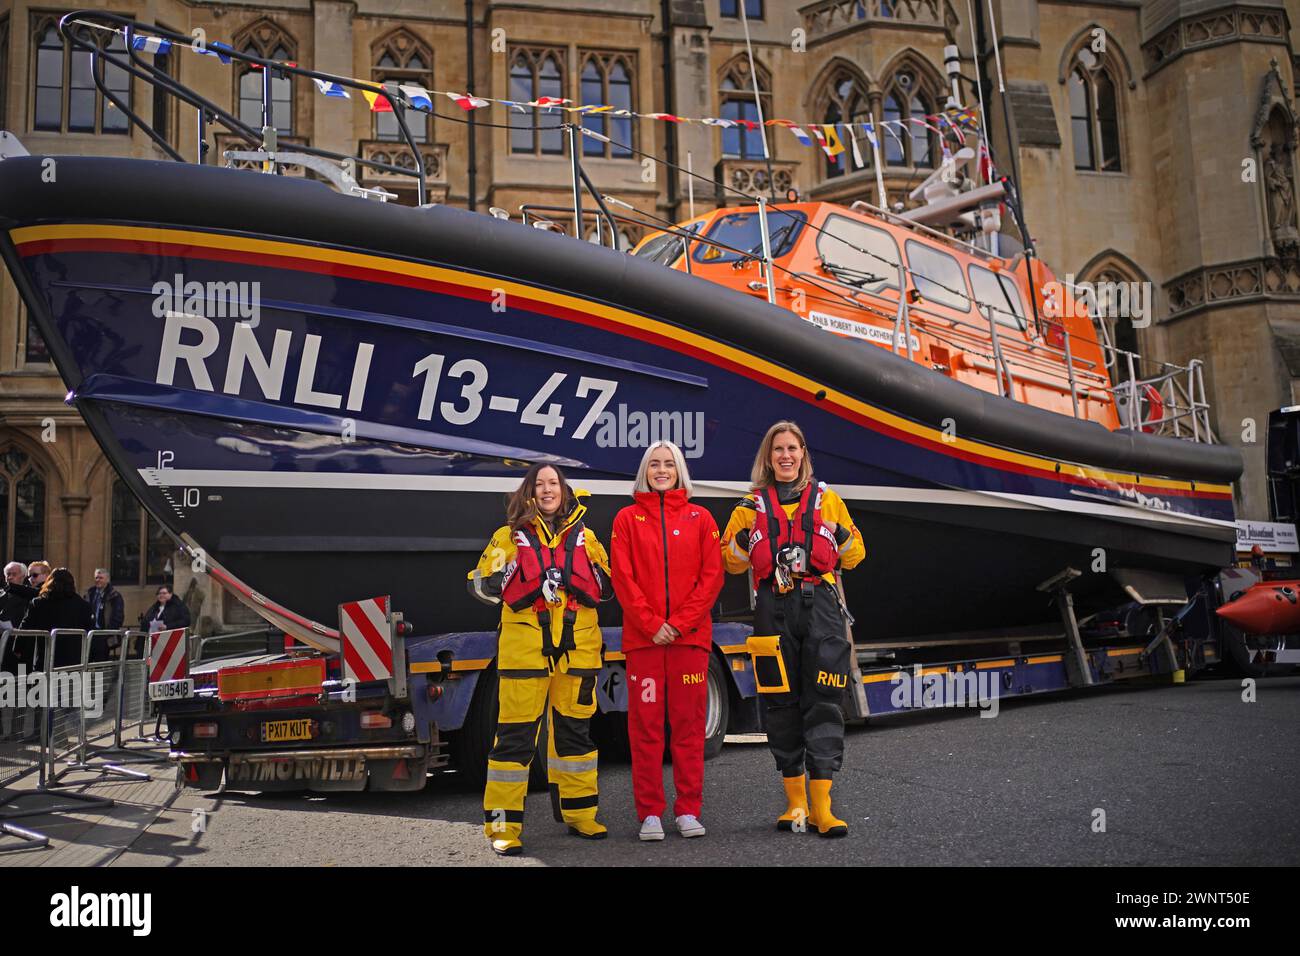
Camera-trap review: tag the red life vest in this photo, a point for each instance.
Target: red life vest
(773, 531)
(577, 575)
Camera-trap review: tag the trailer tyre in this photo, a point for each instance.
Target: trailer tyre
(1238, 654)
(473, 742)
(718, 715)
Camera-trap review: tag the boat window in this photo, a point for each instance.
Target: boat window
(857, 254)
(999, 292)
(740, 230)
(937, 276)
(666, 248)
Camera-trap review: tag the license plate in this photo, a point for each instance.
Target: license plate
(172, 689)
(278, 731)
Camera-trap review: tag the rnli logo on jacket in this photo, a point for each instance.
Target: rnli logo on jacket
(832, 680)
(639, 517)
(693, 678)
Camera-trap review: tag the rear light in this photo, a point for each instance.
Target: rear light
(372, 720)
(205, 731)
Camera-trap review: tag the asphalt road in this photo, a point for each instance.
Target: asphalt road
(1186, 775)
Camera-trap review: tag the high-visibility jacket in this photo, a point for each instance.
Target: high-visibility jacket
(667, 568)
(521, 648)
(736, 538)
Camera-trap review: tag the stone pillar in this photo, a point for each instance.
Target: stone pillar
(74, 506)
(693, 84)
(332, 41)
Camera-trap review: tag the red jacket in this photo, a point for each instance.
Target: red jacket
(679, 587)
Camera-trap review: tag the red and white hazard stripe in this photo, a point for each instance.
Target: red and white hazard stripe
(367, 639)
(167, 659)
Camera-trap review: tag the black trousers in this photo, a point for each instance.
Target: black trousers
(805, 726)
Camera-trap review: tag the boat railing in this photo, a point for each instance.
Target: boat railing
(76, 28)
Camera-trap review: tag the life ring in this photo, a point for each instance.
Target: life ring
(1155, 408)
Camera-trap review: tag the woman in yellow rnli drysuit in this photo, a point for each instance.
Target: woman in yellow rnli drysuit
(548, 572)
(794, 533)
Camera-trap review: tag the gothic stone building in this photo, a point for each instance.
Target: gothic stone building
(1154, 139)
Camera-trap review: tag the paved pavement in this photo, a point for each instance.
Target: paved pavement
(1185, 775)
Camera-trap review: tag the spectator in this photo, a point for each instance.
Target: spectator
(58, 605)
(37, 572)
(107, 612)
(166, 613)
(14, 599)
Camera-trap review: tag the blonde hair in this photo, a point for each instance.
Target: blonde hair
(642, 483)
(762, 476)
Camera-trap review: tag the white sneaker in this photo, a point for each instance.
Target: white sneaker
(688, 826)
(651, 829)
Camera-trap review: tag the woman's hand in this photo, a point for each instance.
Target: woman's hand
(665, 635)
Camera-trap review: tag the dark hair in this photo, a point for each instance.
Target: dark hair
(521, 509)
(163, 587)
(60, 583)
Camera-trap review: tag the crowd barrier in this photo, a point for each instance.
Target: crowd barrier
(77, 714)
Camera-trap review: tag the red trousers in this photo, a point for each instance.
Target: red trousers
(667, 679)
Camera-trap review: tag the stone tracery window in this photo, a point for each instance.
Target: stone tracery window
(399, 58)
(266, 40)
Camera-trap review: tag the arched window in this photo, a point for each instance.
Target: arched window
(22, 506)
(736, 102)
(910, 140)
(401, 58)
(1094, 113)
(607, 81)
(846, 102)
(534, 73)
(266, 40)
(65, 97)
(142, 551)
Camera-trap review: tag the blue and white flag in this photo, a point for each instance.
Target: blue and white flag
(155, 45)
(214, 48)
(330, 88)
(417, 96)
(871, 134)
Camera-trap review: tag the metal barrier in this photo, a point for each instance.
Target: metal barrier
(66, 710)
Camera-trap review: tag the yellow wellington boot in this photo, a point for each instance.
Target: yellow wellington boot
(588, 829)
(827, 824)
(796, 810)
(507, 844)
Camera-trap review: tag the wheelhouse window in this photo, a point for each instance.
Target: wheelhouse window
(999, 293)
(142, 551)
(741, 234)
(22, 506)
(858, 255)
(535, 73)
(65, 98)
(937, 276)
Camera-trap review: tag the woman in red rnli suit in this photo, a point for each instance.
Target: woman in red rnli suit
(548, 572)
(794, 533)
(667, 566)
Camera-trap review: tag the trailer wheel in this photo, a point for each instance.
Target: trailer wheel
(1238, 654)
(473, 742)
(718, 715)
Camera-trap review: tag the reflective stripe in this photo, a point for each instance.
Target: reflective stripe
(507, 776)
(566, 765)
(735, 550)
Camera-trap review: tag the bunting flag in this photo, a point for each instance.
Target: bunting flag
(666, 117)
(714, 121)
(934, 129)
(377, 101)
(463, 100)
(871, 134)
(584, 110)
(987, 171)
(549, 101)
(155, 45)
(966, 118)
(800, 135)
(853, 142)
(330, 88)
(831, 144)
(214, 48)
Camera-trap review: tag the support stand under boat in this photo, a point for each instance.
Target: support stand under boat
(1076, 660)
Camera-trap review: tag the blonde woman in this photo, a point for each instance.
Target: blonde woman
(795, 533)
(667, 569)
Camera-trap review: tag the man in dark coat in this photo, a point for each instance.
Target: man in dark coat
(108, 612)
(57, 606)
(14, 599)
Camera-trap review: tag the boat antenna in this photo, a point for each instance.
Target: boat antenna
(979, 92)
(758, 102)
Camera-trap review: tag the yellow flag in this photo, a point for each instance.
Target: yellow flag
(833, 146)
